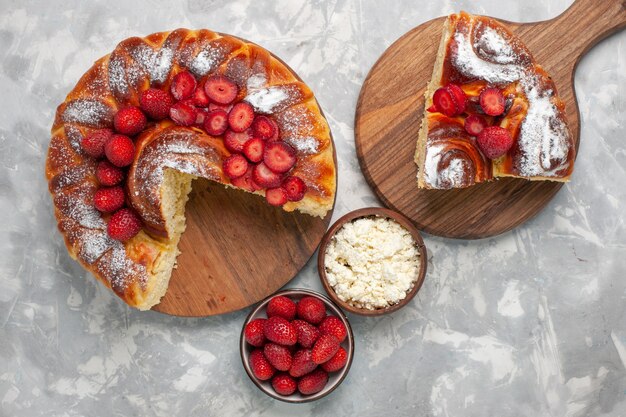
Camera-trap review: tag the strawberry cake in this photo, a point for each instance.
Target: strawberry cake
(160, 111)
(491, 111)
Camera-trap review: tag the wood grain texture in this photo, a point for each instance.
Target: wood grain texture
(391, 105)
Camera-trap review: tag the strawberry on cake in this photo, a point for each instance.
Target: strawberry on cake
(159, 111)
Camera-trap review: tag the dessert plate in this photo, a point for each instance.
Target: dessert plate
(391, 105)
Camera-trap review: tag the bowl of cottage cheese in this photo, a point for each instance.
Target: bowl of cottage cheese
(372, 261)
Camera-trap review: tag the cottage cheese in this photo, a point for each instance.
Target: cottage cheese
(372, 262)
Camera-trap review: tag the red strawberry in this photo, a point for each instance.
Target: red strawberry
(492, 101)
(333, 325)
(324, 348)
(93, 143)
(225, 107)
(129, 121)
(276, 196)
(253, 149)
(263, 127)
(183, 113)
(234, 141)
(265, 177)
(216, 122)
(245, 181)
(295, 188)
(124, 225)
(279, 356)
(156, 103)
(307, 333)
(279, 330)
(108, 174)
(120, 150)
(494, 141)
(281, 306)
(302, 363)
(261, 368)
(235, 166)
(474, 124)
(458, 97)
(311, 309)
(201, 116)
(279, 157)
(442, 100)
(336, 362)
(183, 85)
(220, 89)
(241, 116)
(109, 199)
(253, 333)
(199, 97)
(284, 384)
(313, 382)
(432, 109)
(276, 135)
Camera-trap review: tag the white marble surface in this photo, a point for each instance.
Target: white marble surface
(531, 323)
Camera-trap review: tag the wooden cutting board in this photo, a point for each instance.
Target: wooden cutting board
(391, 105)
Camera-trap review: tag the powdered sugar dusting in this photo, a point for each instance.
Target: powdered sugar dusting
(156, 64)
(297, 125)
(206, 61)
(495, 46)
(93, 244)
(453, 176)
(256, 81)
(119, 269)
(266, 100)
(88, 112)
(304, 145)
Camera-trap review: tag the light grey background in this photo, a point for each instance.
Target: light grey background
(530, 323)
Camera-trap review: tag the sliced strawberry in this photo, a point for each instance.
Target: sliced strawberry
(432, 109)
(442, 100)
(108, 174)
(474, 124)
(253, 149)
(124, 224)
(183, 114)
(199, 97)
(93, 143)
(265, 177)
(276, 196)
(458, 97)
(156, 103)
(241, 116)
(235, 166)
(245, 181)
(201, 117)
(279, 156)
(234, 141)
(183, 85)
(225, 107)
(276, 135)
(295, 188)
(220, 89)
(129, 121)
(263, 128)
(492, 101)
(494, 141)
(216, 122)
(110, 199)
(120, 150)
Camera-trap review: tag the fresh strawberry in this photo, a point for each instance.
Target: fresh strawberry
(313, 382)
(333, 325)
(276, 196)
(279, 156)
(201, 116)
(235, 166)
(492, 101)
(276, 135)
(225, 107)
(129, 121)
(216, 122)
(337, 362)
(324, 348)
(253, 149)
(183, 85)
(245, 181)
(449, 100)
(93, 143)
(302, 363)
(253, 333)
(432, 109)
(311, 310)
(295, 188)
(284, 384)
(109, 199)
(263, 127)
(281, 306)
(458, 97)
(279, 330)
(156, 103)
(199, 97)
(494, 141)
(279, 356)
(234, 141)
(261, 368)
(124, 224)
(220, 89)
(183, 113)
(265, 177)
(307, 333)
(120, 150)
(241, 116)
(474, 124)
(108, 174)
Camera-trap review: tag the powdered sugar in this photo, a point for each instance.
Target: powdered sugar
(256, 81)
(206, 61)
(452, 176)
(88, 112)
(156, 64)
(266, 100)
(93, 244)
(495, 46)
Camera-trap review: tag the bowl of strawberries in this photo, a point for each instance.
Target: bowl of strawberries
(297, 346)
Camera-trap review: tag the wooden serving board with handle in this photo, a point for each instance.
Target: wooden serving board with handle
(391, 105)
